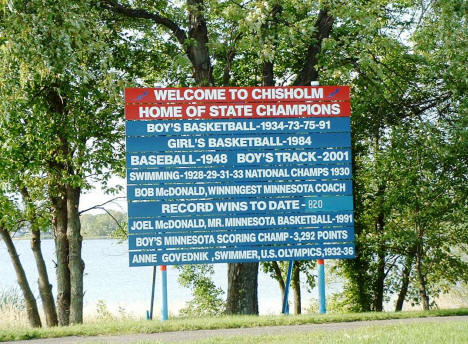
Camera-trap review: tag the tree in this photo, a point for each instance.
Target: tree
(405, 60)
(206, 299)
(402, 66)
(59, 92)
(17, 178)
(209, 43)
(10, 217)
(39, 221)
(429, 172)
(278, 271)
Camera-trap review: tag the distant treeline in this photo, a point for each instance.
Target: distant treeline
(103, 225)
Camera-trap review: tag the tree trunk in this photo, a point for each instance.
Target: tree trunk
(359, 266)
(242, 288)
(242, 277)
(422, 282)
(59, 204)
(296, 285)
(279, 278)
(76, 264)
(227, 68)
(45, 288)
(380, 275)
(267, 74)
(31, 305)
(404, 283)
(57, 106)
(323, 26)
(379, 282)
(197, 51)
(270, 32)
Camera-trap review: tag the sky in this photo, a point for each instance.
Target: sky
(97, 196)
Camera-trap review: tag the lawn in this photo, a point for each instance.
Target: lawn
(128, 326)
(447, 333)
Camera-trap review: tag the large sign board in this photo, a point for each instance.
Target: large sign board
(238, 174)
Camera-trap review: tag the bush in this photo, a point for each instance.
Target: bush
(207, 298)
(336, 303)
(11, 299)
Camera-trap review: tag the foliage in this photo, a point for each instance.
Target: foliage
(335, 303)
(60, 123)
(10, 213)
(403, 68)
(432, 202)
(305, 267)
(408, 128)
(423, 169)
(58, 92)
(11, 298)
(102, 311)
(206, 299)
(102, 225)
(12, 309)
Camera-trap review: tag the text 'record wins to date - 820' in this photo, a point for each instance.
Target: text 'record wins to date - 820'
(238, 174)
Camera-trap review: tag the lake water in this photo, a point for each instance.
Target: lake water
(108, 278)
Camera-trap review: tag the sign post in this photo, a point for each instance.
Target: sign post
(321, 286)
(164, 309)
(238, 174)
(285, 309)
(149, 314)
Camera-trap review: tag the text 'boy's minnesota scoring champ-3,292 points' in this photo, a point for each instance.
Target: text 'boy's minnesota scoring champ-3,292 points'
(238, 174)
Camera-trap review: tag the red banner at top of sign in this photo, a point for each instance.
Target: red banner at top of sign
(236, 94)
(236, 110)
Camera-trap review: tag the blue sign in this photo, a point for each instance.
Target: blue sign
(315, 204)
(244, 254)
(233, 206)
(239, 158)
(233, 188)
(162, 176)
(239, 126)
(198, 223)
(239, 189)
(230, 142)
(239, 238)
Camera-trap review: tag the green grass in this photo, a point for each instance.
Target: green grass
(422, 333)
(116, 327)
